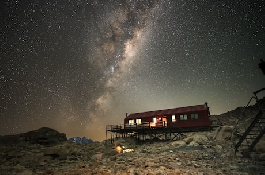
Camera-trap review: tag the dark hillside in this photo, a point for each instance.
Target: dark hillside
(241, 115)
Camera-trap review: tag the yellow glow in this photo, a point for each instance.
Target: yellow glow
(152, 124)
(118, 149)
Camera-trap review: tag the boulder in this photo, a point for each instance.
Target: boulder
(97, 156)
(224, 133)
(193, 143)
(200, 139)
(188, 140)
(196, 139)
(43, 136)
(262, 156)
(178, 143)
(55, 152)
(260, 146)
(218, 148)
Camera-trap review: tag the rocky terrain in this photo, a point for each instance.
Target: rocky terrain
(198, 153)
(46, 151)
(241, 116)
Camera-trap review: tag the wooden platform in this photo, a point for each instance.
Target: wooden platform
(146, 132)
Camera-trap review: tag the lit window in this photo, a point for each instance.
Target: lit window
(154, 120)
(173, 118)
(138, 121)
(183, 117)
(194, 116)
(131, 122)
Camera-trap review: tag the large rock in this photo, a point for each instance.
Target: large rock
(260, 146)
(196, 139)
(44, 136)
(56, 152)
(224, 133)
(178, 143)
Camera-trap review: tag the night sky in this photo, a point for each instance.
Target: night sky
(79, 65)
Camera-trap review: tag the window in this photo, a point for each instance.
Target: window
(173, 118)
(131, 122)
(194, 116)
(138, 121)
(183, 117)
(154, 120)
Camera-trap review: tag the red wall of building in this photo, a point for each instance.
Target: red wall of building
(203, 120)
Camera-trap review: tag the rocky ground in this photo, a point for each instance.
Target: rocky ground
(47, 152)
(202, 153)
(240, 116)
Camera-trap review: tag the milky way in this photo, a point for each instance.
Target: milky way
(123, 34)
(77, 66)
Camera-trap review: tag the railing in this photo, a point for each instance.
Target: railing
(115, 127)
(137, 126)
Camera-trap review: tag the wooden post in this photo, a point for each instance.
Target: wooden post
(106, 133)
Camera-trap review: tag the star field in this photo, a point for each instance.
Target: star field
(77, 66)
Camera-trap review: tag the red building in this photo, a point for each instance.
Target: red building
(182, 117)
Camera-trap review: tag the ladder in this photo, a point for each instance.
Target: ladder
(256, 129)
(253, 133)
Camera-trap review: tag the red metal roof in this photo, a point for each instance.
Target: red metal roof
(179, 110)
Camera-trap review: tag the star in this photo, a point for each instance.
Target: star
(79, 66)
